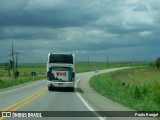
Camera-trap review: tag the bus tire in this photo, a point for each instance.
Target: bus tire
(49, 88)
(72, 88)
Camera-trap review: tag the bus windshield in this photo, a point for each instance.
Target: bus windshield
(61, 58)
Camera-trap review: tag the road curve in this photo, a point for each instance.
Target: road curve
(101, 103)
(35, 97)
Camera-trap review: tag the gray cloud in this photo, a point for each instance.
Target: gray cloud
(141, 7)
(127, 29)
(50, 13)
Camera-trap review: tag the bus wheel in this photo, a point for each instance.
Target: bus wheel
(49, 88)
(72, 88)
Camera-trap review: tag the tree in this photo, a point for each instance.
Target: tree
(157, 62)
(11, 64)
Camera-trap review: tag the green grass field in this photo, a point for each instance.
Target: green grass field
(40, 68)
(138, 88)
(140, 76)
(24, 76)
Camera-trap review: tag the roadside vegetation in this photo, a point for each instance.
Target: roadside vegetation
(138, 88)
(25, 70)
(92, 66)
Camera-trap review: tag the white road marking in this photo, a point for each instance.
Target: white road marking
(85, 102)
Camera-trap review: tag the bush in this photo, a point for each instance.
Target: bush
(157, 62)
(137, 92)
(152, 65)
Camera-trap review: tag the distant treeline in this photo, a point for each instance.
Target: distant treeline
(9, 63)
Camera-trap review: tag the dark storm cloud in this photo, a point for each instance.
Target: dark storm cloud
(27, 33)
(50, 13)
(117, 28)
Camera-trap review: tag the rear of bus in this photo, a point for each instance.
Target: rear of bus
(61, 71)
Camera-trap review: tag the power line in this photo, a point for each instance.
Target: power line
(12, 54)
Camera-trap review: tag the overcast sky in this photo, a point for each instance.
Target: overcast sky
(123, 30)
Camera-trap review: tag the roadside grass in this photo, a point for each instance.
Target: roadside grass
(40, 69)
(8, 82)
(24, 76)
(132, 87)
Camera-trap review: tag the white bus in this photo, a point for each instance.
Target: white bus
(61, 71)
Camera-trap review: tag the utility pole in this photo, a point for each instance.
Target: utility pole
(16, 60)
(107, 60)
(88, 61)
(12, 57)
(15, 72)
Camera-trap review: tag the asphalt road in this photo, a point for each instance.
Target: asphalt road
(36, 97)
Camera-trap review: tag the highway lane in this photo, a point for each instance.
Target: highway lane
(12, 96)
(58, 100)
(83, 99)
